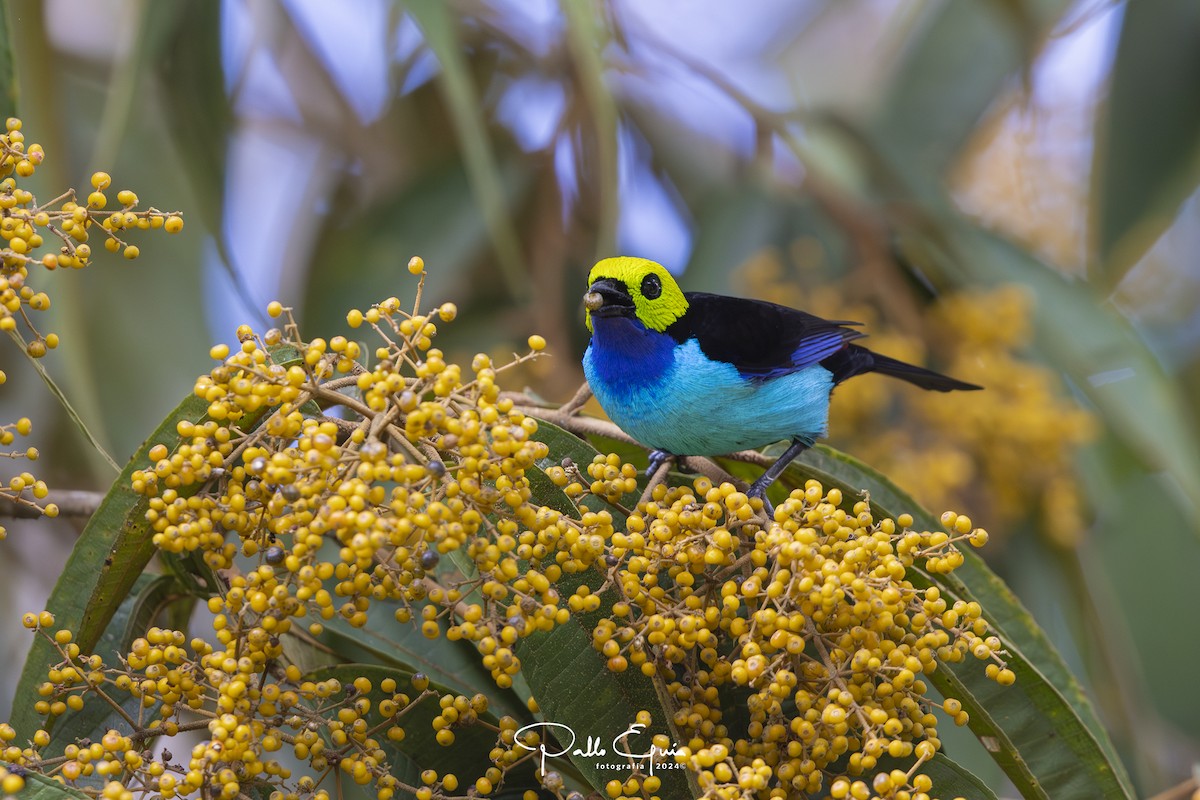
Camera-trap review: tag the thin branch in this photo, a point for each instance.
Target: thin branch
(581, 396)
(72, 503)
(16, 336)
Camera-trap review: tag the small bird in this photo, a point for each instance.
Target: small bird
(697, 374)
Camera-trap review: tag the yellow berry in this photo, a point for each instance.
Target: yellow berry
(537, 343)
(12, 784)
(101, 180)
(416, 265)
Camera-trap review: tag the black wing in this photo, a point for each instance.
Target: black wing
(760, 339)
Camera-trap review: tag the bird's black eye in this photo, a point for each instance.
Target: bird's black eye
(651, 286)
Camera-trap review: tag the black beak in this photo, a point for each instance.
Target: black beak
(608, 297)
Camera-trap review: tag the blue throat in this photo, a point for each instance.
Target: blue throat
(627, 355)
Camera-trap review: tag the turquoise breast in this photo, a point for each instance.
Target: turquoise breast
(692, 405)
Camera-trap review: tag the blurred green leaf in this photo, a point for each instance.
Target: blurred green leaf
(1147, 158)
(188, 65)
(735, 223)
(586, 40)
(1144, 562)
(8, 78)
(732, 225)
(1043, 731)
(962, 58)
(361, 259)
(438, 25)
(198, 109)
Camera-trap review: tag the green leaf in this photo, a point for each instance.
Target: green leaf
(39, 787)
(149, 596)
(199, 111)
(575, 688)
(564, 444)
(569, 678)
(437, 24)
(965, 55)
(1129, 591)
(1147, 159)
(1043, 731)
(468, 757)
(110, 554)
(433, 216)
(401, 645)
(732, 225)
(586, 39)
(950, 779)
(186, 52)
(106, 561)
(8, 78)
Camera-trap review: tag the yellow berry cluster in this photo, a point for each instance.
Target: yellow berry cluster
(329, 481)
(250, 707)
(809, 616)
(1024, 423)
(26, 224)
(23, 489)
(418, 461)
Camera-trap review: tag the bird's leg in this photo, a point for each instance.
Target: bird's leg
(657, 459)
(760, 486)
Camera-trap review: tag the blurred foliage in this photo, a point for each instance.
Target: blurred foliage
(923, 153)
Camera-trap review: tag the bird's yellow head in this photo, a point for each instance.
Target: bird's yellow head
(627, 286)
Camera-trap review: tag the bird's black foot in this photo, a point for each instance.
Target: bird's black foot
(760, 486)
(657, 459)
(759, 489)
